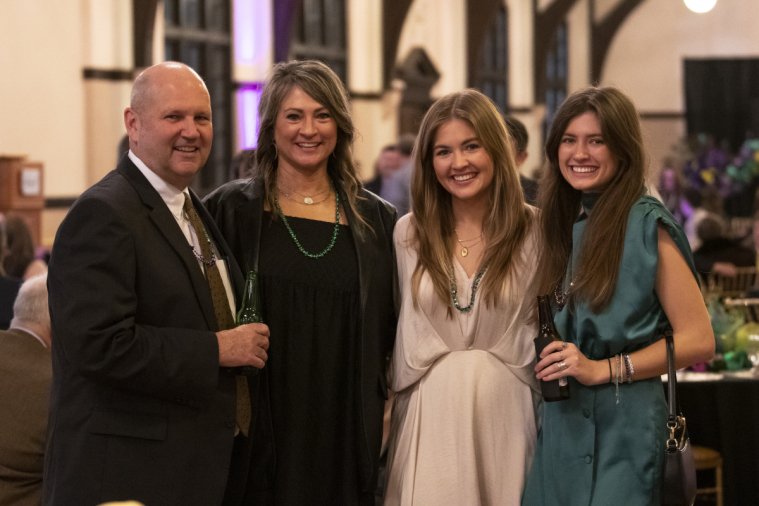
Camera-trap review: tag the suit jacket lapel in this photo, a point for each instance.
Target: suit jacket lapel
(167, 225)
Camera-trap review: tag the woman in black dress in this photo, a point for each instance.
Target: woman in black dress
(323, 248)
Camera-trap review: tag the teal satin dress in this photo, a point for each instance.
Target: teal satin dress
(592, 450)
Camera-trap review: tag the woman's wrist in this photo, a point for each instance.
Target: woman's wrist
(601, 373)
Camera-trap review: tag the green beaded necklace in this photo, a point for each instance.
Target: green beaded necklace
(474, 291)
(292, 234)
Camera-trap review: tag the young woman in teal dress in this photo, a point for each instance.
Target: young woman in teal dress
(620, 270)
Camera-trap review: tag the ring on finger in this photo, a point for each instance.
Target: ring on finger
(564, 345)
(562, 365)
(561, 356)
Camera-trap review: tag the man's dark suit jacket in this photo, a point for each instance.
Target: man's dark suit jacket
(25, 375)
(139, 406)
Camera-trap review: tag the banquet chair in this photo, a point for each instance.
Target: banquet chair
(706, 458)
(731, 286)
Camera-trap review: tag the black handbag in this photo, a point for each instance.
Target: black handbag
(679, 487)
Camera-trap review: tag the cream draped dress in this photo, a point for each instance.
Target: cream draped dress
(466, 412)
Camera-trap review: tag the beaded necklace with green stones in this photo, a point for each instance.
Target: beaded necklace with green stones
(334, 233)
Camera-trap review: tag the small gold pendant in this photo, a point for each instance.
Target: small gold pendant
(464, 252)
(308, 200)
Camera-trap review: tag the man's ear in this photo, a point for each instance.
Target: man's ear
(131, 122)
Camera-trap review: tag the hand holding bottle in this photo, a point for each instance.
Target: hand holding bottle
(244, 345)
(577, 365)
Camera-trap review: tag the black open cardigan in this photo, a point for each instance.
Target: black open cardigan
(237, 207)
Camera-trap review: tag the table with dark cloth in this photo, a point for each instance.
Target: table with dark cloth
(723, 415)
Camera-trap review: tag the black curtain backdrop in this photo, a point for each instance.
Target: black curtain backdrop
(722, 98)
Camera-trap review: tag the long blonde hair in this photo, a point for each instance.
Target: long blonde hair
(321, 84)
(505, 226)
(597, 271)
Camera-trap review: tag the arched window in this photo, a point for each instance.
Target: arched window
(556, 76)
(319, 34)
(492, 75)
(198, 34)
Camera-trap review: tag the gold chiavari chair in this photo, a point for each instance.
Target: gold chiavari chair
(730, 286)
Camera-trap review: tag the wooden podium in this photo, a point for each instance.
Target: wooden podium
(21, 192)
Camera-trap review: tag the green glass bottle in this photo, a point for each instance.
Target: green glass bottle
(250, 312)
(558, 389)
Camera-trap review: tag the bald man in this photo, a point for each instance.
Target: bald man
(147, 403)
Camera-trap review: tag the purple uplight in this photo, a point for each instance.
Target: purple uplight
(252, 31)
(248, 97)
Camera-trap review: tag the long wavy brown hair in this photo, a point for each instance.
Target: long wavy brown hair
(505, 226)
(597, 271)
(321, 84)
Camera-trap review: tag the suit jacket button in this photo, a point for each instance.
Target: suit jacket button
(230, 422)
(588, 459)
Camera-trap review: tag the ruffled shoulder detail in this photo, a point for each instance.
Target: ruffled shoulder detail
(647, 214)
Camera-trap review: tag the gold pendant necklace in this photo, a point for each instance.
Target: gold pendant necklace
(306, 199)
(464, 248)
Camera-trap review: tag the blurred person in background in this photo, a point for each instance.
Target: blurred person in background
(25, 377)
(705, 203)
(242, 164)
(671, 190)
(8, 285)
(719, 253)
(19, 260)
(520, 139)
(388, 161)
(397, 188)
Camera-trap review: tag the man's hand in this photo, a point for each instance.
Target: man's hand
(243, 345)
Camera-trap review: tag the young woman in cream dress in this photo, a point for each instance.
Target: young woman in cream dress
(465, 420)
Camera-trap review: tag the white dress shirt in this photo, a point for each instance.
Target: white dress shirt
(174, 199)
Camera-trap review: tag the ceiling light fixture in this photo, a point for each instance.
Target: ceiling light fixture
(700, 5)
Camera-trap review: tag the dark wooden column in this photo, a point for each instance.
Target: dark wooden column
(284, 14)
(143, 14)
(393, 16)
(604, 32)
(545, 33)
(479, 20)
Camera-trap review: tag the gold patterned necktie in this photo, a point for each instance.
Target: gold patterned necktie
(224, 318)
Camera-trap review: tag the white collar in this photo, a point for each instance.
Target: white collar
(34, 334)
(170, 194)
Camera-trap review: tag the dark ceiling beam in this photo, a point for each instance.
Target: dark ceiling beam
(603, 34)
(480, 15)
(393, 16)
(546, 24)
